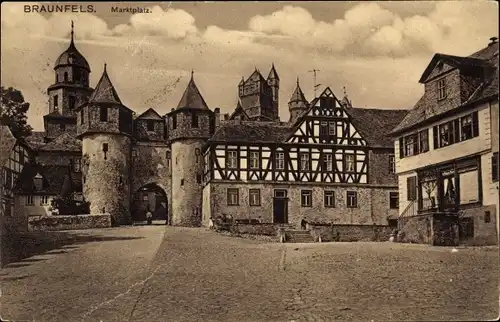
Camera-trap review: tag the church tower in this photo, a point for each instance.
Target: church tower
(69, 90)
(104, 125)
(190, 125)
(273, 80)
(297, 104)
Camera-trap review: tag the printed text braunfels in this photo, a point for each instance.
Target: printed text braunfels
(59, 8)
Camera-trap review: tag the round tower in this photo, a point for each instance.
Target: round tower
(190, 125)
(297, 104)
(105, 128)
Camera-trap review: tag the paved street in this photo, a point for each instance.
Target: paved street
(158, 273)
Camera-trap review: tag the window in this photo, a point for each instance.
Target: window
(77, 165)
(279, 193)
(150, 125)
(494, 167)
(82, 119)
(393, 200)
(254, 195)
(410, 145)
(168, 157)
(232, 160)
(233, 198)
(441, 89)
(349, 163)
(65, 76)
(280, 160)
(304, 161)
(411, 188)
(44, 200)
(103, 113)
(194, 119)
(254, 160)
(323, 129)
(38, 182)
(198, 178)
(104, 147)
(182, 182)
(414, 144)
(29, 200)
(174, 122)
(469, 127)
(352, 199)
(56, 101)
(71, 102)
(306, 198)
(487, 217)
(331, 128)
(392, 164)
(327, 162)
(423, 141)
(455, 131)
(329, 199)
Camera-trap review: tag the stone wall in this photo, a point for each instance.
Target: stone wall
(417, 230)
(373, 203)
(53, 223)
(485, 233)
(350, 233)
(380, 167)
(106, 182)
(256, 229)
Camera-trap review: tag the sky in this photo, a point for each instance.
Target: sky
(376, 50)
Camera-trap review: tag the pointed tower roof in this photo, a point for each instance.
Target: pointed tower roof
(72, 56)
(345, 100)
(192, 97)
(105, 91)
(298, 95)
(273, 74)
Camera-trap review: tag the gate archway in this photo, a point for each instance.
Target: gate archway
(149, 196)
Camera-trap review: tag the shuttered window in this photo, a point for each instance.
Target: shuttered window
(411, 188)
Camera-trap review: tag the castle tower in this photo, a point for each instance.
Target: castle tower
(69, 90)
(190, 125)
(256, 98)
(297, 104)
(273, 80)
(104, 125)
(346, 103)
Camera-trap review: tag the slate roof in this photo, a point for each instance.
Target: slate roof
(192, 98)
(298, 95)
(273, 74)
(105, 92)
(55, 178)
(375, 125)
(36, 139)
(150, 114)
(489, 88)
(72, 56)
(249, 131)
(64, 142)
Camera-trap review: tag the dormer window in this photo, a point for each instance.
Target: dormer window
(441, 89)
(38, 182)
(151, 125)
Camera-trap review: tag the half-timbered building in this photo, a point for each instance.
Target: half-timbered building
(447, 160)
(333, 163)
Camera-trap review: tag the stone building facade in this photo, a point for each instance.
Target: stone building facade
(123, 163)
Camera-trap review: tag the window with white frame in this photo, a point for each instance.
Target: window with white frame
(331, 128)
(280, 160)
(304, 161)
(441, 89)
(327, 162)
(44, 200)
(329, 199)
(254, 160)
(29, 200)
(306, 198)
(349, 163)
(352, 199)
(254, 197)
(232, 160)
(233, 198)
(392, 164)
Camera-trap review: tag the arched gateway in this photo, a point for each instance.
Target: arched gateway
(153, 196)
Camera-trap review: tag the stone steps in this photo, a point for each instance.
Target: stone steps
(298, 236)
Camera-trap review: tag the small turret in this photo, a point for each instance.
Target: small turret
(346, 103)
(297, 104)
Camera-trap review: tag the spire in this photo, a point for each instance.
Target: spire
(105, 91)
(242, 81)
(192, 97)
(298, 95)
(192, 74)
(345, 101)
(72, 32)
(273, 74)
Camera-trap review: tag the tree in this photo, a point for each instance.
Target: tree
(13, 111)
(66, 205)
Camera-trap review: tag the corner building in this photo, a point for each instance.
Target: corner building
(329, 163)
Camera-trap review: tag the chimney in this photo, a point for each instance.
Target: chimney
(226, 117)
(493, 40)
(217, 117)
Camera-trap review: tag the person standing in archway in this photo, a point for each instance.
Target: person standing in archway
(149, 216)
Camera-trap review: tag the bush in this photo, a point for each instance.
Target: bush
(68, 206)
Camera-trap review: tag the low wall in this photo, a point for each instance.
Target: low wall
(52, 223)
(416, 230)
(266, 229)
(350, 233)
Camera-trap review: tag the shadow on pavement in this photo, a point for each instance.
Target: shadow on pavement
(26, 245)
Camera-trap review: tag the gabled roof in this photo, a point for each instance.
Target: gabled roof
(56, 178)
(36, 139)
(424, 110)
(64, 142)
(256, 76)
(273, 74)
(251, 132)
(150, 114)
(105, 92)
(192, 97)
(455, 61)
(239, 111)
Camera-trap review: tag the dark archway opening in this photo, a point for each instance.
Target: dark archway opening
(151, 197)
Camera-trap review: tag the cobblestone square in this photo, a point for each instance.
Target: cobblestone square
(158, 273)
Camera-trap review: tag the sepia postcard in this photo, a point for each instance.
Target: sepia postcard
(249, 161)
